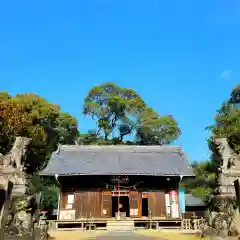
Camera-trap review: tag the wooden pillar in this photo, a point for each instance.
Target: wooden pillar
(63, 201)
(139, 204)
(118, 216)
(106, 209)
(59, 203)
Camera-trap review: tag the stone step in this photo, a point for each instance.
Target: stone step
(120, 229)
(121, 223)
(120, 226)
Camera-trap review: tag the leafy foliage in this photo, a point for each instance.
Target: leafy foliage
(112, 107)
(204, 182)
(93, 138)
(122, 112)
(31, 116)
(50, 197)
(49, 189)
(4, 96)
(155, 130)
(67, 128)
(227, 125)
(227, 121)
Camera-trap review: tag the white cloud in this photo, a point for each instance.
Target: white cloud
(226, 74)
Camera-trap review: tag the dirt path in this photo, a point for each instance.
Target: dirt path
(78, 235)
(125, 236)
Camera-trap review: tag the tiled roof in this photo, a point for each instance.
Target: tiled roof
(192, 201)
(118, 160)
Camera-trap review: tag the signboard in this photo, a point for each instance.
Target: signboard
(175, 211)
(167, 200)
(173, 195)
(167, 204)
(134, 212)
(174, 204)
(67, 215)
(70, 199)
(120, 179)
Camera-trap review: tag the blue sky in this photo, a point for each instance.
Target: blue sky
(182, 57)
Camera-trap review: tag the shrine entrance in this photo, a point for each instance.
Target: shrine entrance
(123, 208)
(120, 203)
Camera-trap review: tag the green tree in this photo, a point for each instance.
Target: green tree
(204, 183)
(91, 138)
(227, 121)
(4, 96)
(50, 191)
(227, 125)
(155, 130)
(114, 108)
(121, 111)
(67, 128)
(31, 116)
(50, 195)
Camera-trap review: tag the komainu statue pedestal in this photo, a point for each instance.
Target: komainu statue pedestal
(224, 220)
(12, 183)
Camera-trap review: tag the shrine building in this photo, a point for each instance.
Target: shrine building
(119, 182)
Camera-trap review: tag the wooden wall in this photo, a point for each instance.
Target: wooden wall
(156, 203)
(90, 198)
(87, 204)
(99, 204)
(63, 199)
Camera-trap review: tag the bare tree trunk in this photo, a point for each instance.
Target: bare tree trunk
(105, 136)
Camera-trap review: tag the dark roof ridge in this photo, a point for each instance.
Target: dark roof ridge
(161, 148)
(118, 160)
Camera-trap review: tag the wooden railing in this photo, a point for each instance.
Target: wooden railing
(92, 224)
(192, 224)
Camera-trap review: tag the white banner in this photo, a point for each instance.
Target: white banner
(175, 211)
(173, 196)
(167, 200)
(70, 199)
(67, 215)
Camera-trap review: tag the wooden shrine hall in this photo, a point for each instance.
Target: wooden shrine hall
(120, 182)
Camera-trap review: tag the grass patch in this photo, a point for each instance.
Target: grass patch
(171, 235)
(73, 235)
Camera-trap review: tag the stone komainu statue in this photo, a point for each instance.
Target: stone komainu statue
(11, 177)
(15, 157)
(229, 167)
(227, 155)
(226, 220)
